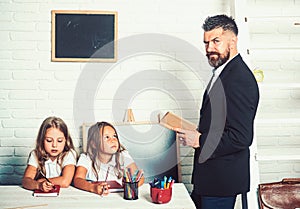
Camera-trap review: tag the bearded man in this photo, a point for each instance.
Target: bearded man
(225, 132)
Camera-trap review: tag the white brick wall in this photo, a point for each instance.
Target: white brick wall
(32, 87)
(275, 49)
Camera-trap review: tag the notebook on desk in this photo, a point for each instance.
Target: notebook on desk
(52, 193)
(114, 186)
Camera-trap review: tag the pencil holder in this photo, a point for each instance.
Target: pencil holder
(160, 196)
(131, 190)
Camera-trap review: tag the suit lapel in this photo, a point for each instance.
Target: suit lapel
(223, 74)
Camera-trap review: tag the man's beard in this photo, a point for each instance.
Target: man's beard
(220, 60)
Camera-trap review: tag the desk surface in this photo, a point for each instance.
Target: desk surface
(16, 197)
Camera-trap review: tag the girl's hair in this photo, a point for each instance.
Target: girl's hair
(42, 156)
(95, 142)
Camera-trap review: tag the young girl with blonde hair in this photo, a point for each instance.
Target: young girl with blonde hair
(54, 157)
(105, 159)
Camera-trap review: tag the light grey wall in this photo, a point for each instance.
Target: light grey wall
(33, 88)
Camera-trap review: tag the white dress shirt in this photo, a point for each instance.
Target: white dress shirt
(217, 72)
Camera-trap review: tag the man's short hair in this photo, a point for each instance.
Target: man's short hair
(220, 21)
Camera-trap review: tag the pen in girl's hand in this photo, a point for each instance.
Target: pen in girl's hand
(107, 174)
(105, 187)
(46, 178)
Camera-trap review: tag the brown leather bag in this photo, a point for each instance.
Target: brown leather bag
(280, 195)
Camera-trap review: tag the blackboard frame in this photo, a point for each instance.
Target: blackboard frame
(96, 44)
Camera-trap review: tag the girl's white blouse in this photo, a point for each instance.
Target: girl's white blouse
(52, 167)
(86, 162)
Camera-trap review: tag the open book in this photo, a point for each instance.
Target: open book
(114, 186)
(52, 193)
(171, 121)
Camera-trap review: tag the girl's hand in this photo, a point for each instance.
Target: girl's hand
(45, 186)
(101, 189)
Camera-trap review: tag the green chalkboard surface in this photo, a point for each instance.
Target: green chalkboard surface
(84, 36)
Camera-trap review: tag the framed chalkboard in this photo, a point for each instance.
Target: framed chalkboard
(153, 147)
(84, 36)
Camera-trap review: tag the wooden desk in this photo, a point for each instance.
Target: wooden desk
(16, 197)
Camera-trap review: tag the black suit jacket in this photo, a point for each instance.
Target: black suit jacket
(221, 164)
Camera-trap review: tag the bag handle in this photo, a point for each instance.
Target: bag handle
(291, 180)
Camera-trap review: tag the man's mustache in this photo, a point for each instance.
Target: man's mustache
(212, 53)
